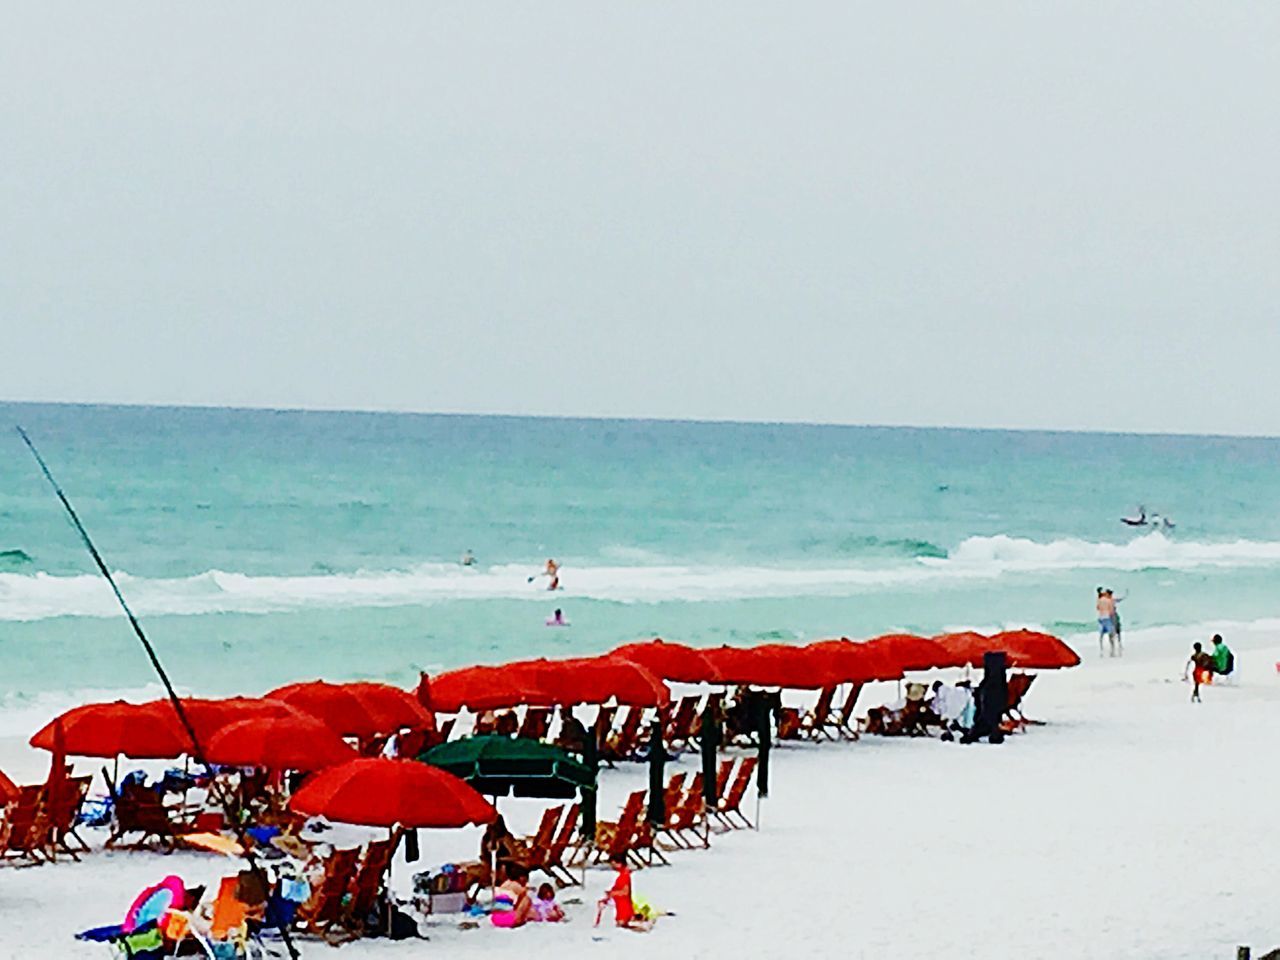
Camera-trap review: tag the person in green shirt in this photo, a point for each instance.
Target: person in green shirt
(1224, 661)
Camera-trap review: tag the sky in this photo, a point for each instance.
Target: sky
(1057, 214)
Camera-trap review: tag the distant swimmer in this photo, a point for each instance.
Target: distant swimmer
(468, 559)
(557, 619)
(1139, 521)
(552, 573)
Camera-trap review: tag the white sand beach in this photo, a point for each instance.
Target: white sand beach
(1133, 824)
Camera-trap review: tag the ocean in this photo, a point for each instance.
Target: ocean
(261, 547)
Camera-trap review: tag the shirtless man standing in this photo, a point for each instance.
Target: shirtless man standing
(1106, 607)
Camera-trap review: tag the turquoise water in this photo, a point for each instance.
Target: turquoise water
(262, 546)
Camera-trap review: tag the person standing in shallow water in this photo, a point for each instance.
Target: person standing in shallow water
(1115, 623)
(1106, 608)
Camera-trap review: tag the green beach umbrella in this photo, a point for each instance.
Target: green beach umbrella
(497, 766)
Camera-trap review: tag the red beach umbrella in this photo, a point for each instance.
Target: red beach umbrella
(849, 662)
(359, 709)
(670, 661)
(966, 647)
(1033, 650)
(596, 680)
(208, 716)
(483, 688)
(9, 791)
(770, 665)
(140, 731)
(297, 742)
(381, 792)
(911, 652)
(547, 683)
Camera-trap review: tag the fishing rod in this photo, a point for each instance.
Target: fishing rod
(197, 752)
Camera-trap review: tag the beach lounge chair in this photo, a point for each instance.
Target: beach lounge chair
(1017, 687)
(684, 813)
(26, 832)
(142, 811)
(62, 804)
(536, 723)
(680, 729)
(617, 837)
(324, 910)
(362, 895)
(815, 724)
(842, 724)
(537, 846)
(730, 805)
(558, 854)
(789, 724)
(623, 744)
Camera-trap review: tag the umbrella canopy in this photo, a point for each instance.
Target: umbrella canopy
(296, 742)
(966, 647)
(9, 791)
(1032, 650)
(670, 661)
(849, 662)
(597, 680)
(140, 731)
(910, 652)
(360, 709)
(382, 792)
(208, 716)
(497, 765)
(547, 683)
(770, 665)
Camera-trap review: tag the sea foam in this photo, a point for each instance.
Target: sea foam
(25, 597)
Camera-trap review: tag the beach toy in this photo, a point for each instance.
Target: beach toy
(154, 902)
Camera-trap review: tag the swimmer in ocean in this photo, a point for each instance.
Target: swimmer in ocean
(557, 619)
(468, 559)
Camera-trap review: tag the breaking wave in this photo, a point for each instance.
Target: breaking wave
(25, 597)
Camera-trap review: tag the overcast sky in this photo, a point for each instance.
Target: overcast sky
(987, 214)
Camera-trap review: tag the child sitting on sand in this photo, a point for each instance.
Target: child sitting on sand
(545, 907)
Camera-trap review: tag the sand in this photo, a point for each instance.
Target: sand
(1133, 824)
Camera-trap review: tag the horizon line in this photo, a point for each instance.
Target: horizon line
(633, 418)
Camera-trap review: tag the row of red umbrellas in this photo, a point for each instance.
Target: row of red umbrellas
(830, 662)
(546, 683)
(298, 727)
(634, 673)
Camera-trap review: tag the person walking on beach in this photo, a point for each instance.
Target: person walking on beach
(1106, 607)
(1200, 667)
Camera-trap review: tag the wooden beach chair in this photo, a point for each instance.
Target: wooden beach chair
(558, 855)
(362, 894)
(142, 811)
(685, 816)
(62, 804)
(537, 846)
(815, 723)
(789, 724)
(623, 744)
(26, 833)
(324, 910)
(843, 724)
(536, 723)
(680, 729)
(616, 837)
(730, 804)
(1018, 685)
